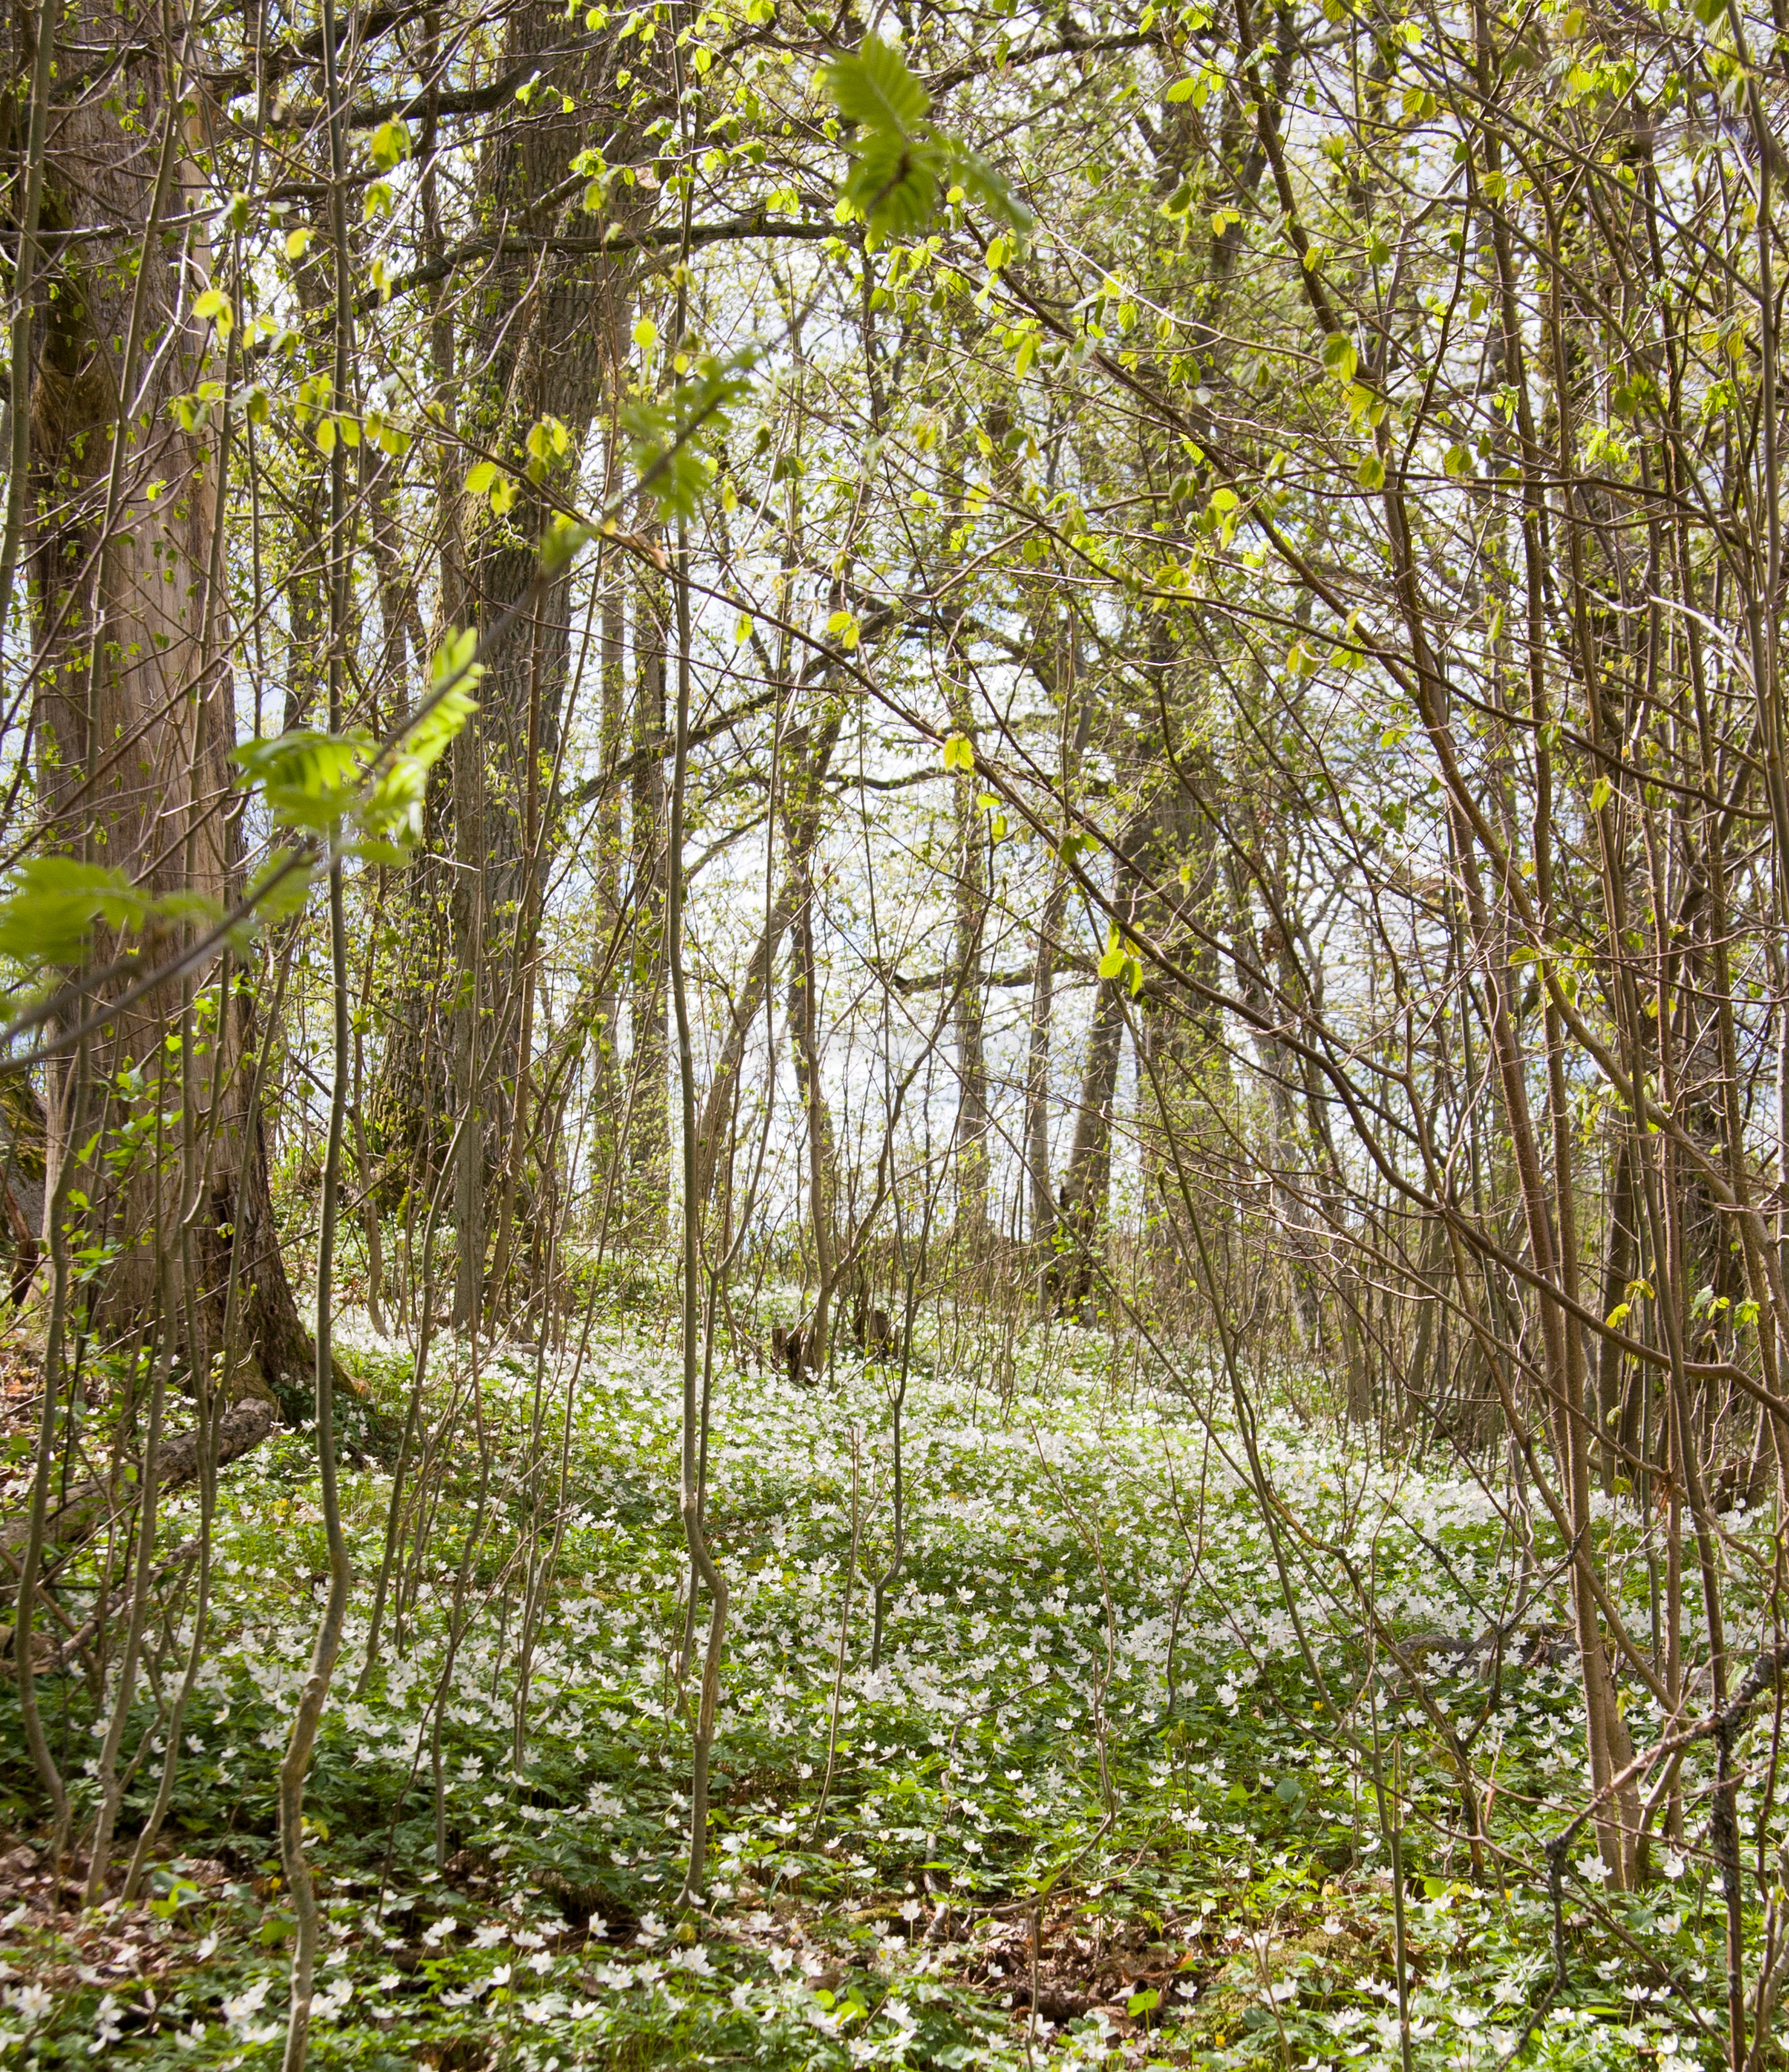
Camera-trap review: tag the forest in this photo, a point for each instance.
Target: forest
(893, 1035)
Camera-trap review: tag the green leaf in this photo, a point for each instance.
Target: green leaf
(563, 538)
(1339, 356)
(1600, 794)
(290, 888)
(873, 86)
(479, 478)
(392, 142)
(902, 161)
(1142, 2003)
(670, 439)
(959, 754)
(454, 660)
(49, 904)
(1112, 963)
(893, 185)
(1370, 474)
(213, 308)
(307, 779)
(980, 179)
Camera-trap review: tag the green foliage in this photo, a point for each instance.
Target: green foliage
(1212, 1841)
(902, 160)
(344, 789)
(674, 438)
(50, 905)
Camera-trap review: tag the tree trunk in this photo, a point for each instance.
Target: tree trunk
(134, 720)
(1086, 1188)
(801, 810)
(542, 345)
(649, 1146)
(970, 903)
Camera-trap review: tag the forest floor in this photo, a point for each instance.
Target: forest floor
(1088, 1806)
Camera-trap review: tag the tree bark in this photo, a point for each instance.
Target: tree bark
(134, 720)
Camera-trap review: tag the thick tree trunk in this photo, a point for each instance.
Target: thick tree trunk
(970, 917)
(649, 1142)
(544, 345)
(605, 1030)
(133, 716)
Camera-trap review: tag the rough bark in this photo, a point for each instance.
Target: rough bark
(649, 1142)
(134, 718)
(541, 348)
(969, 918)
(1087, 1185)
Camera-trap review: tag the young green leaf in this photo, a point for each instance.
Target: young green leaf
(872, 86)
(49, 905)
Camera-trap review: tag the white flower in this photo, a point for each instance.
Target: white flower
(780, 1960)
(105, 2026)
(1592, 1867)
(1672, 1865)
(652, 1930)
(598, 1927)
(438, 1931)
(240, 2010)
(541, 1961)
(388, 1981)
(327, 2004)
(500, 1976)
(33, 2001)
(490, 1935)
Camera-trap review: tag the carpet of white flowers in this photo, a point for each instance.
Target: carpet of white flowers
(1089, 1806)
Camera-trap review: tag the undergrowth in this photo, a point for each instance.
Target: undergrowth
(1090, 1805)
